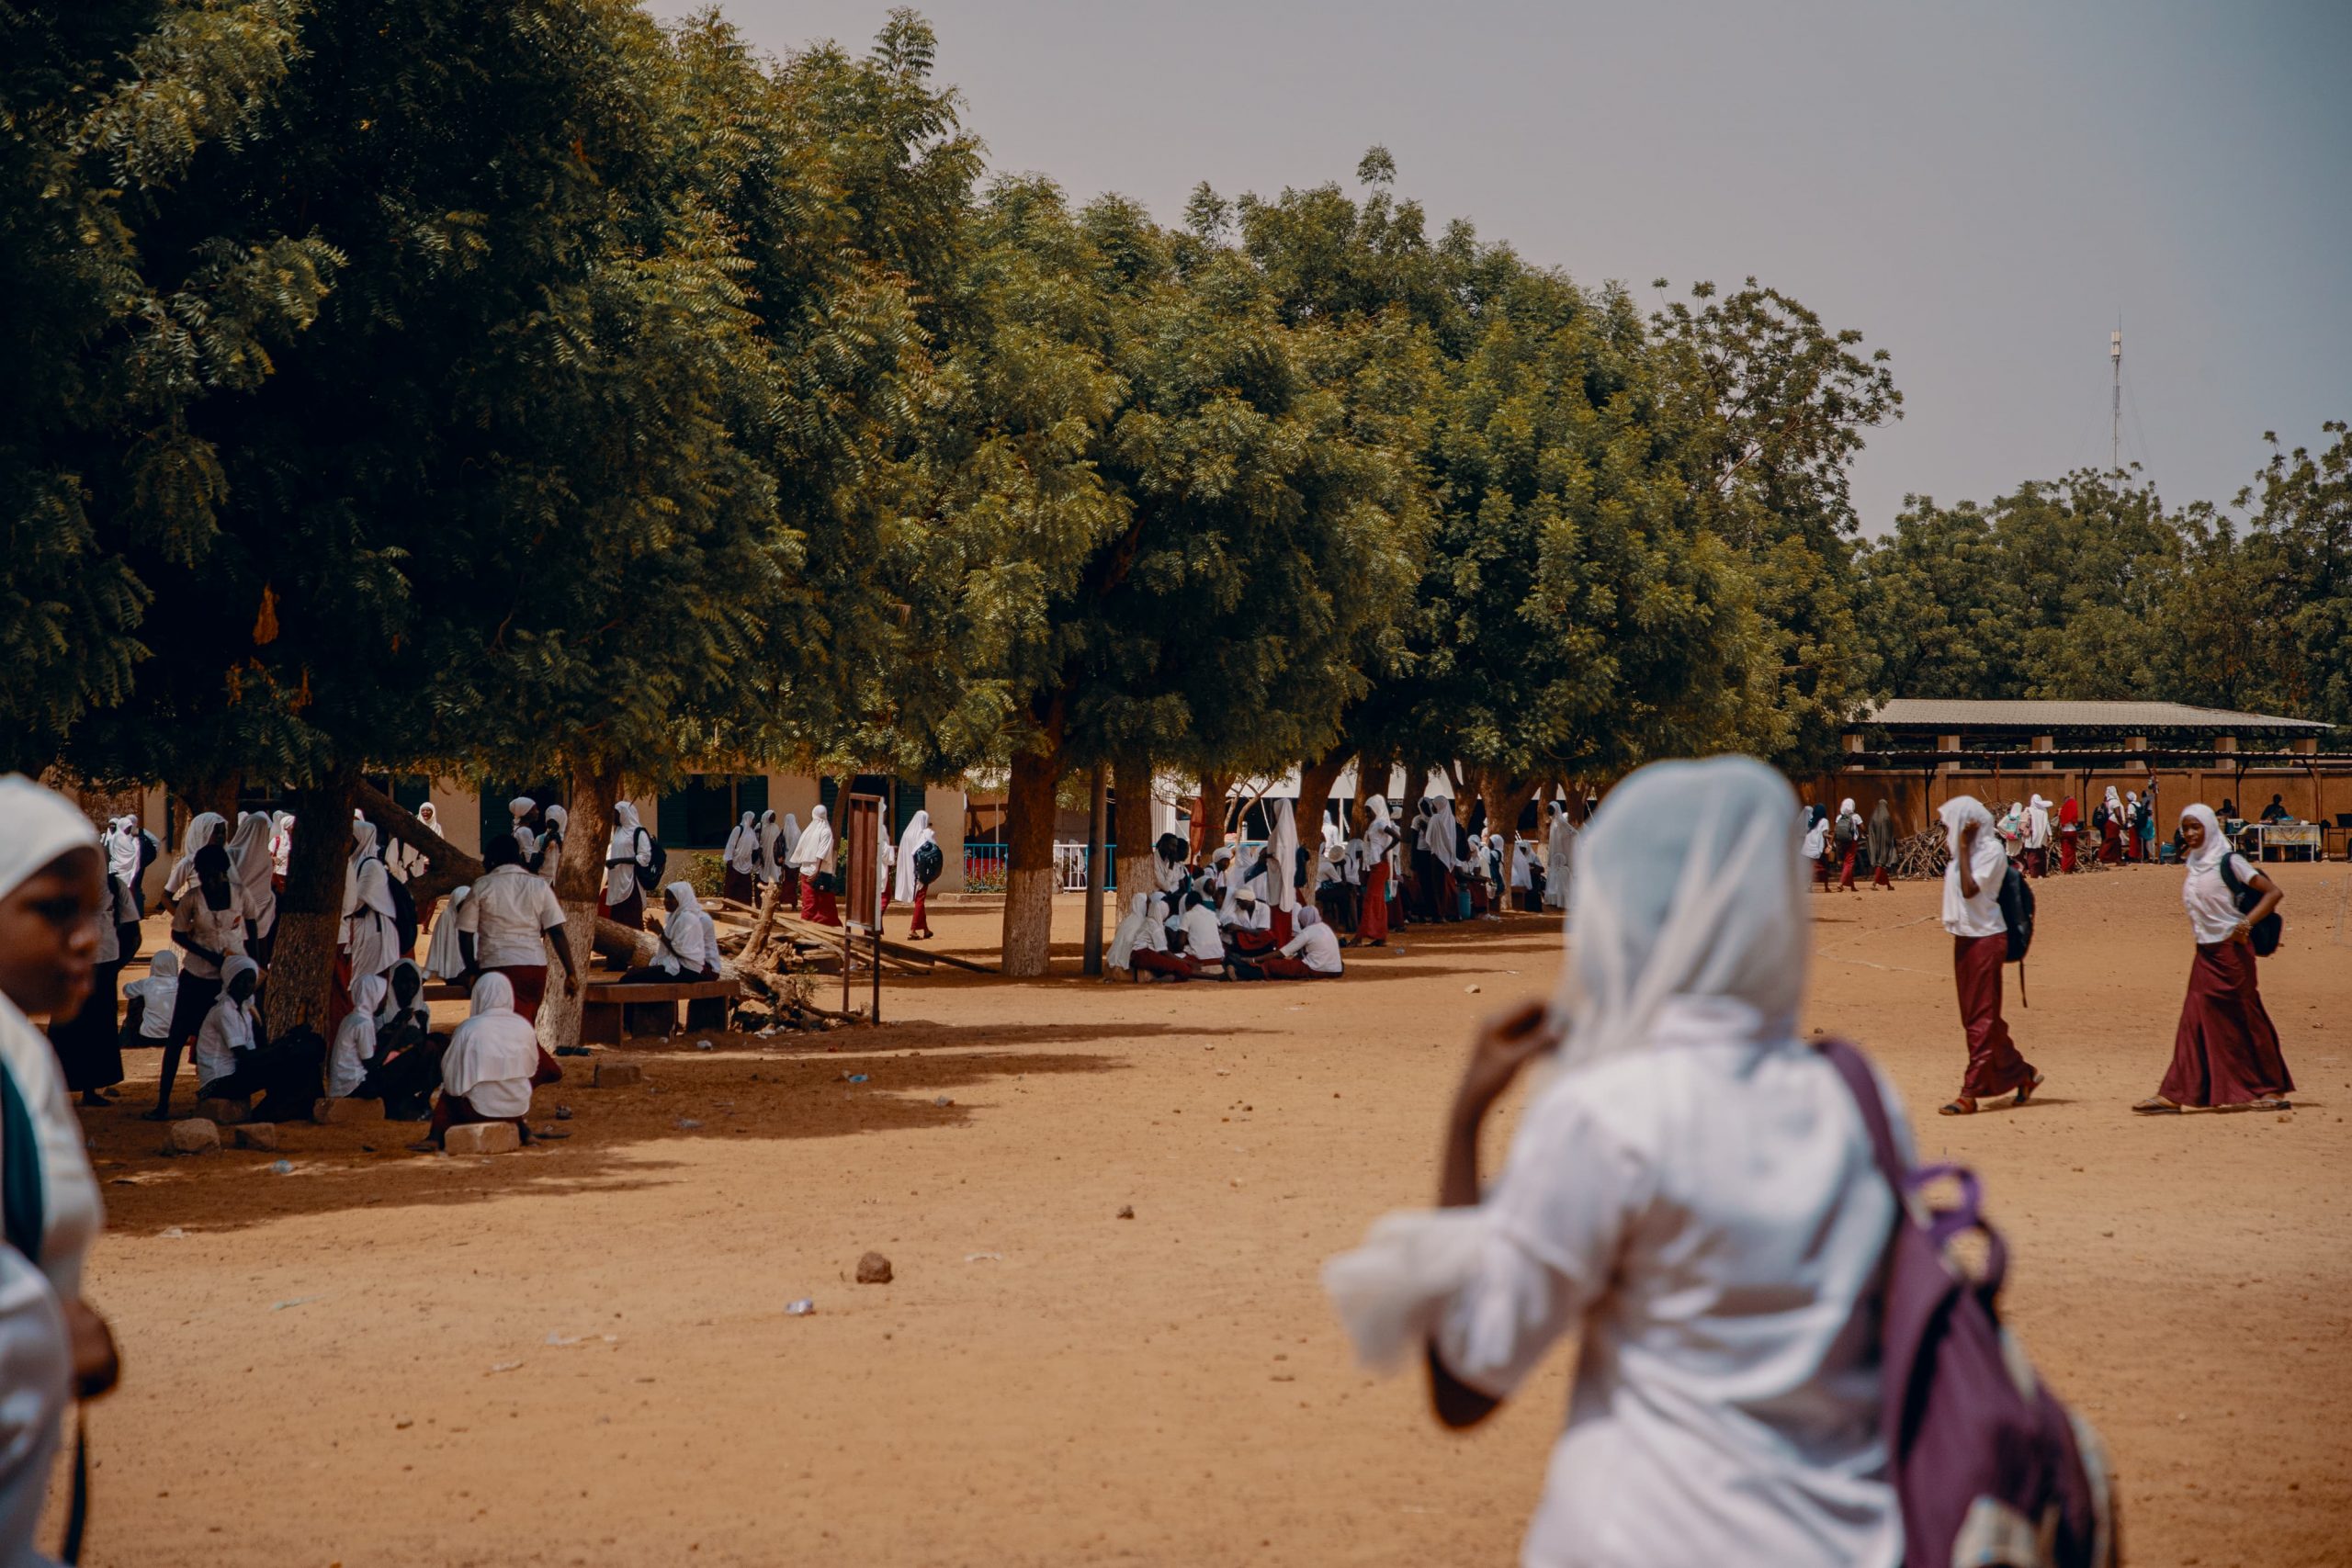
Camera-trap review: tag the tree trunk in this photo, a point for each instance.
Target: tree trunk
(1029, 879)
(1314, 781)
(1131, 828)
(1371, 778)
(309, 911)
(579, 879)
(1208, 819)
(200, 796)
(1097, 838)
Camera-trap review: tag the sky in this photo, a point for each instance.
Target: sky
(1982, 190)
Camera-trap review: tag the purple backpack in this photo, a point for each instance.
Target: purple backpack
(1990, 1469)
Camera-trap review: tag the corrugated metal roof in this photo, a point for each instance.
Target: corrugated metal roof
(1959, 712)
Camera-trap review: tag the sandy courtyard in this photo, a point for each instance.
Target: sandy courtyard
(580, 1354)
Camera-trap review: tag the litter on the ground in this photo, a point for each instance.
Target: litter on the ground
(800, 1308)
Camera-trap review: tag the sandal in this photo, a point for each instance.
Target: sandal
(2157, 1105)
(2026, 1092)
(1959, 1106)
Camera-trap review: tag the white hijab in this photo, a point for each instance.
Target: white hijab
(363, 849)
(281, 840)
(496, 1045)
(814, 852)
(686, 933)
(1688, 887)
(1282, 840)
(199, 833)
(1124, 940)
(1437, 833)
(122, 850)
(622, 845)
(2207, 855)
(1381, 831)
(2114, 803)
(252, 864)
(368, 931)
(769, 832)
(786, 842)
(443, 959)
(742, 850)
(431, 817)
(918, 833)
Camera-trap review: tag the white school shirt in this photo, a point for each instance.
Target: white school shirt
(508, 915)
(1706, 1217)
(161, 993)
(221, 931)
(1202, 940)
(227, 1030)
(1320, 947)
(1980, 916)
(2213, 914)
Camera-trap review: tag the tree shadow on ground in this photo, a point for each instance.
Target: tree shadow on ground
(746, 1090)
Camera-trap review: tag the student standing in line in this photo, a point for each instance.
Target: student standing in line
(1848, 832)
(509, 922)
(1882, 845)
(1692, 1194)
(1972, 912)
(2225, 1054)
(53, 1347)
(2037, 837)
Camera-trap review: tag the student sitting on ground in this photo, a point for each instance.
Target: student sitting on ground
(388, 1015)
(1140, 930)
(1311, 953)
(406, 1067)
(232, 1061)
(147, 1012)
(1203, 947)
(1246, 926)
(493, 1061)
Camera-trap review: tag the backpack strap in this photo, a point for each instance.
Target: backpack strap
(1862, 1085)
(22, 1203)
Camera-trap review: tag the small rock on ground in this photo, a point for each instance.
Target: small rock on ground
(873, 1269)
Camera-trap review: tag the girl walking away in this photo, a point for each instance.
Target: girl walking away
(1816, 849)
(2109, 819)
(2037, 837)
(1980, 939)
(549, 862)
(1850, 844)
(741, 879)
(628, 854)
(52, 1347)
(1692, 1194)
(812, 857)
(2226, 1054)
(1882, 847)
(913, 863)
(770, 867)
(2070, 832)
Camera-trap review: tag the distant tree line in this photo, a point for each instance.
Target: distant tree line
(521, 388)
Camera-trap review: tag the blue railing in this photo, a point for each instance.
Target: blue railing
(985, 866)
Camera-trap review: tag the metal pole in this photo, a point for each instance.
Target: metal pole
(844, 966)
(876, 1017)
(1094, 824)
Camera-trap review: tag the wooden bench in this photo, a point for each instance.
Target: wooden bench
(603, 1016)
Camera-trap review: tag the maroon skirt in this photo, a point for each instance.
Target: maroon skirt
(2226, 1050)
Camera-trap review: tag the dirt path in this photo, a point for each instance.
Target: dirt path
(580, 1354)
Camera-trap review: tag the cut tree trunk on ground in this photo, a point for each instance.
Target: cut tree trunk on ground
(1029, 878)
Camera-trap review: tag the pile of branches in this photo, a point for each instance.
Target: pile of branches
(778, 958)
(1920, 857)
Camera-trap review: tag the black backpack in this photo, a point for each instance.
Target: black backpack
(404, 919)
(657, 860)
(2017, 911)
(2268, 929)
(929, 862)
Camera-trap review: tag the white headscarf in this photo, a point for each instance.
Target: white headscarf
(1688, 887)
(122, 842)
(252, 864)
(496, 1045)
(354, 1037)
(620, 881)
(2114, 803)
(430, 815)
(1282, 840)
(37, 825)
(1437, 833)
(814, 852)
(1381, 833)
(281, 841)
(200, 830)
(1122, 941)
(786, 842)
(686, 934)
(521, 806)
(559, 821)
(363, 849)
(2206, 855)
(369, 933)
(742, 850)
(918, 833)
(769, 832)
(444, 960)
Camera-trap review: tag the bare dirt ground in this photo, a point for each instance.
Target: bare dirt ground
(579, 1354)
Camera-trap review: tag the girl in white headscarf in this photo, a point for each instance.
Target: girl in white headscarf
(363, 851)
(256, 871)
(1815, 850)
(2037, 837)
(1971, 913)
(206, 828)
(281, 845)
(1691, 1196)
(687, 950)
(812, 857)
(1522, 874)
(2110, 829)
(769, 868)
(1381, 837)
(1282, 847)
(910, 876)
(788, 897)
(549, 861)
(444, 959)
(1139, 928)
(1559, 855)
(628, 853)
(493, 1061)
(520, 808)
(155, 996)
(740, 878)
(52, 1344)
(371, 935)
(2225, 1052)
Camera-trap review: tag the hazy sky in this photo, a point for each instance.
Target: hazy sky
(1981, 189)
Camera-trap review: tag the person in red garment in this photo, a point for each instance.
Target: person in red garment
(812, 857)
(2070, 831)
(1381, 836)
(1972, 912)
(1311, 953)
(908, 877)
(2226, 1054)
